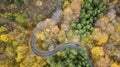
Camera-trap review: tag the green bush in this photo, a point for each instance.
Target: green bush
(20, 19)
(91, 11)
(69, 57)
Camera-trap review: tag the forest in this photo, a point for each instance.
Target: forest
(59, 33)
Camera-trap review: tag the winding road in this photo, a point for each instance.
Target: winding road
(40, 27)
